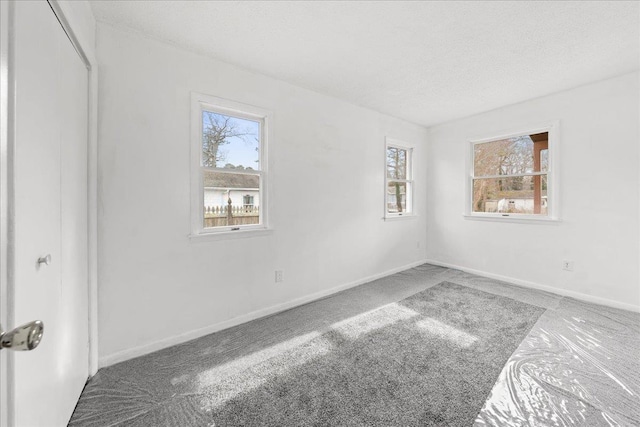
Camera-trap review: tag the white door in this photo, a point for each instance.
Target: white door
(49, 216)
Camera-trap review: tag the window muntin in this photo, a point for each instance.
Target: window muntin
(228, 182)
(510, 176)
(398, 180)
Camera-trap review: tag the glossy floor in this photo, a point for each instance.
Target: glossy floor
(579, 364)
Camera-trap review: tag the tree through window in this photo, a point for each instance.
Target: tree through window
(511, 175)
(399, 181)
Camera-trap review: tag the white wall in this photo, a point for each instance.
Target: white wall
(327, 164)
(80, 17)
(599, 140)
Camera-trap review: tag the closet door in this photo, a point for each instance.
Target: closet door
(50, 275)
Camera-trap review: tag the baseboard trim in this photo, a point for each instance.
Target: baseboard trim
(533, 285)
(144, 349)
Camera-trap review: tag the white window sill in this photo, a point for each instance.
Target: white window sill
(400, 217)
(513, 218)
(228, 235)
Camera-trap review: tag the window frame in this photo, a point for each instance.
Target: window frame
(200, 103)
(410, 179)
(553, 200)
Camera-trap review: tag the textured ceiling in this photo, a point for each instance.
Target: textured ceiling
(426, 62)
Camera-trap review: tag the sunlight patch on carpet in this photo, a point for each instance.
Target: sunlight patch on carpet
(357, 326)
(444, 331)
(252, 371)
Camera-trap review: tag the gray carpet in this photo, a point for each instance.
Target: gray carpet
(211, 380)
(430, 359)
(206, 382)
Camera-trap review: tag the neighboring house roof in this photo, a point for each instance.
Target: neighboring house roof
(231, 180)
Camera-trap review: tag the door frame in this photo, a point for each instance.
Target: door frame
(86, 51)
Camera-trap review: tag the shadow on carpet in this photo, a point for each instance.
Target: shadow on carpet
(430, 359)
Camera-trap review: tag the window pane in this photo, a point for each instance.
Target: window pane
(230, 142)
(523, 195)
(244, 192)
(398, 197)
(396, 163)
(521, 154)
(544, 160)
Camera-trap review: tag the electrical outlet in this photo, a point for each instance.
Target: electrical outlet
(278, 276)
(567, 265)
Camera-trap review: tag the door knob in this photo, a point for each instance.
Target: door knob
(46, 260)
(23, 338)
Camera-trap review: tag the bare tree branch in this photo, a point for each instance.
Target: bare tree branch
(218, 130)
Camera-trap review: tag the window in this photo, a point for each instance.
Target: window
(247, 200)
(511, 176)
(399, 180)
(229, 168)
